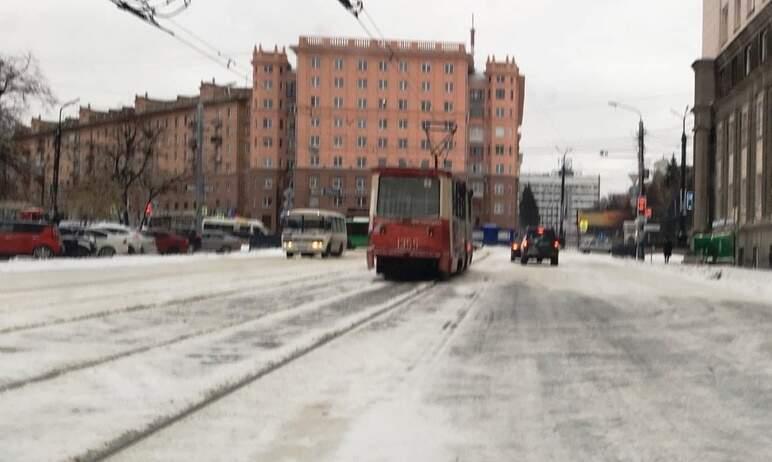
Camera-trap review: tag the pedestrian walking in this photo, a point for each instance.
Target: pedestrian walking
(667, 249)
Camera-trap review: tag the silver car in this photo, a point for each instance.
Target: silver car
(218, 241)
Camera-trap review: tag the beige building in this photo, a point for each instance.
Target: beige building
(732, 155)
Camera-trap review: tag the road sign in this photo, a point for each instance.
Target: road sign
(652, 227)
(649, 213)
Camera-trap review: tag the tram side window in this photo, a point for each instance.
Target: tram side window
(459, 200)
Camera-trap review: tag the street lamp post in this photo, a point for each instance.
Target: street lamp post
(641, 179)
(561, 215)
(57, 156)
(682, 208)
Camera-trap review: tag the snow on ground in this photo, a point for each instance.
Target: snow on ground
(597, 359)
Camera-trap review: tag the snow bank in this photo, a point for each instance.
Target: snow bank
(26, 265)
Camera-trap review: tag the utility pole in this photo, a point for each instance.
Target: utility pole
(57, 157)
(199, 167)
(641, 176)
(561, 215)
(682, 206)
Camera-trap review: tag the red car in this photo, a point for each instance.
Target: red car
(41, 240)
(170, 243)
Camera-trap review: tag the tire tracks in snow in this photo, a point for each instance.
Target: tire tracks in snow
(267, 282)
(133, 437)
(60, 371)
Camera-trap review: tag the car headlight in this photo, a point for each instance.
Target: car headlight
(288, 244)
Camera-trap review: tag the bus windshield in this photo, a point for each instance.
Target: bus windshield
(307, 223)
(408, 197)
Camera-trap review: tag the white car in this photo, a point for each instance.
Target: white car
(138, 241)
(108, 243)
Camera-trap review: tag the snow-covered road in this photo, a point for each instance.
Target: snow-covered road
(252, 357)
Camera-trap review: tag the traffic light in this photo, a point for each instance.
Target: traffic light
(649, 213)
(642, 204)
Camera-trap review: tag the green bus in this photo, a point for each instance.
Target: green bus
(358, 231)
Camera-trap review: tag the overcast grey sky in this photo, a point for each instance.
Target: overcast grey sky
(576, 56)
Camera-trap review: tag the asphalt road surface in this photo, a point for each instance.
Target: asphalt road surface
(259, 358)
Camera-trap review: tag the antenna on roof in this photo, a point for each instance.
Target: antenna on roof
(471, 33)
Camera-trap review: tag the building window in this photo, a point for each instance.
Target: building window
(501, 93)
(316, 81)
(499, 169)
(382, 103)
(426, 68)
(338, 122)
(337, 102)
(362, 123)
(751, 7)
(313, 182)
(337, 201)
(426, 85)
(338, 64)
(316, 62)
(337, 141)
(267, 103)
(424, 163)
(313, 141)
(500, 79)
(362, 84)
(314, 160)
(338, 81)
(402, 163)
(448, 87)
(737, 14)
(402, 124)
(268, 183)
(500, 112)
(402, 105)
(362, 103)
(426, 106)
(449, 68)
(268, 68)
(267, 202)
(499, 149)
(403, 85)
(403, 66)
(337, 161)
(763, 46)
(362, 202)
(315, 122)
(382, 162)
(448, 106)
(268, 162)
(314, 101)
(383, 143)
(267, 84)
(383, 66)
(402, 143)
(360, 183)
(748, 60)
(267, 141)
(362, 65)
(383, 124)
(361, 141)
(499, 132)
(337, 183)
(498, 189)
(267, 123)
(383, 84)
(361, 162)
(498, 208)
(424, 144)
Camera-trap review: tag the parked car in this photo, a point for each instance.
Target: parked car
(540, 243)
(108, 243)
(169, 243)
(77, 243)
(138, 242)
(41, 240)
(218, 241)
(595, 245)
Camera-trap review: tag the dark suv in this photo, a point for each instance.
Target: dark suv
(540, 243)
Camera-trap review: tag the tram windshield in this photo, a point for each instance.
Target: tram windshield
(408, 197)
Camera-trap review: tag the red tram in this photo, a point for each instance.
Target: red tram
(419, 218)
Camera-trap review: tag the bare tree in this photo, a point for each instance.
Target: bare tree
(155, 182)
(134, 146)
(21, 82)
